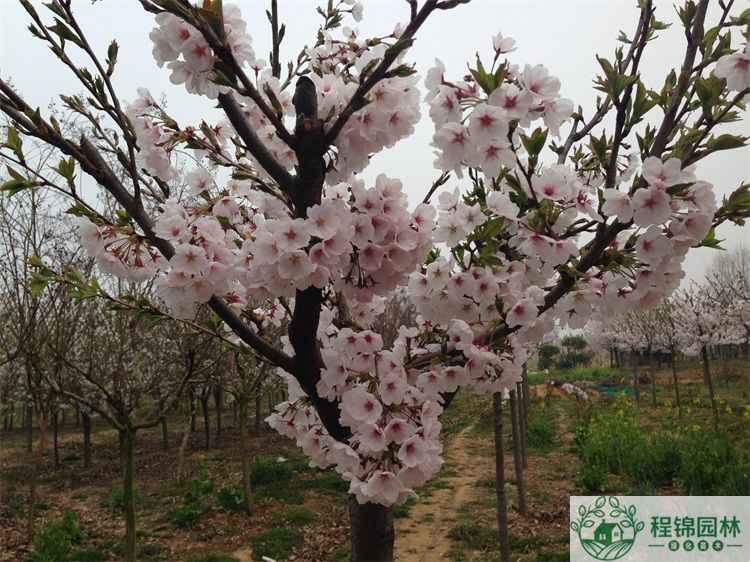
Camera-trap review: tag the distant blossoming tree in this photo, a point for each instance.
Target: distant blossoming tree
(278, 229)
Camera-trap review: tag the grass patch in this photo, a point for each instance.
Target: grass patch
(95, 553)
(329, 482)
(295, 517)
(342, 553)
(540, 432)
(473, 535)
(485, 483)
(402, 511)
(212, 557)
(276, 543)
(267, 471)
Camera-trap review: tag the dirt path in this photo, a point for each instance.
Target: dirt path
(422, 537)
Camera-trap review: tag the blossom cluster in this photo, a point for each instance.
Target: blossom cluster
(390, 409)
(189, 56)
(539, 212)
(358, 240)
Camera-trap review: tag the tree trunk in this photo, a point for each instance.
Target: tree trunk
(521, 400)
(128, 490)
(372, 532)
(245, 454)
(121, 436)
(217, 404)
(164, 433)
(184, 444)
(35, 468)
(78, 418)
(192, 411)
(635, 377)
(526, 394)
(676, 385)
(652, 376)
(55, 434)
(269, 394)
(502, 501)
(86, 440)
(517, 456)
(257, 413)
(29, 421)
(710, 385)
(206, 420)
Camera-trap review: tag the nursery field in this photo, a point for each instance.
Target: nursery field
(609, 444)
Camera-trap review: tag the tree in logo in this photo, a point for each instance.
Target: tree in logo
(607, 536)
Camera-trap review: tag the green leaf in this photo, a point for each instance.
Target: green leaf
(726, 142)
(15, 142)
(710, 241)
(534, 143)
(65, 33)
(14, 186)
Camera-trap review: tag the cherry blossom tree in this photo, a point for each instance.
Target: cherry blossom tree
(704, 324)
(536, 227)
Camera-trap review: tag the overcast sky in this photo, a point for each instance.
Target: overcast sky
(563, 35)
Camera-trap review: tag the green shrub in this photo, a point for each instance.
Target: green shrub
(269, 471)
(231, 498)
(613, 438)
(703, 462)
(276, 543)
(186, 516)
(712, 466)
(53, 541)
(592, 479)
(540, 432)
(200, 484)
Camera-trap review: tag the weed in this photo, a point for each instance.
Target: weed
(185, 516)
(231, 498)
(54, 540)
(117, 497)
(592, 479)
(200, 484)
(540, 433)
